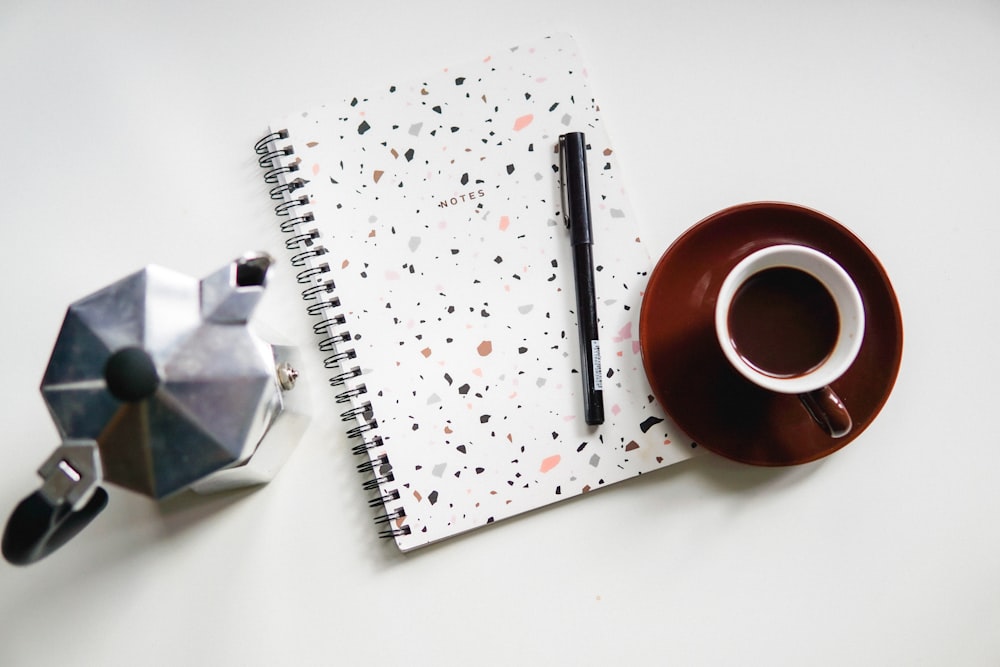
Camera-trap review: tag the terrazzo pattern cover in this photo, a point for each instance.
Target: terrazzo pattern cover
(425, 225)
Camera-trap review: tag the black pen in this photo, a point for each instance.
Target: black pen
(576, 209)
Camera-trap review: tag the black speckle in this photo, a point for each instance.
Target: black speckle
(483, 419)
(408, 155)
(462, 449)
(364, 127)
(498, 259)
(510, 169)
(448, 379)
(432, 497)
(553, 107)
(464, 389)
(465, 178)
(436, 108)
(649, 423)
(459, 81)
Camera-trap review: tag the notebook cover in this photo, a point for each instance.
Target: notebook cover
(438, 212)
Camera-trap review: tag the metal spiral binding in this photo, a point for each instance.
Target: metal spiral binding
(271, 176)
(306, 245)
(318, 308)
(289, 225)
(300, 240)
(349, 395)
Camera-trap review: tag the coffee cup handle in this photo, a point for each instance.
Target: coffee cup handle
(826, 408)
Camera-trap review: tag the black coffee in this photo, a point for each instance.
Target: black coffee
(783, 322)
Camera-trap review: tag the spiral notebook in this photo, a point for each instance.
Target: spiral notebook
(425, 230)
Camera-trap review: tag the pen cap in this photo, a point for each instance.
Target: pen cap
(575, 186)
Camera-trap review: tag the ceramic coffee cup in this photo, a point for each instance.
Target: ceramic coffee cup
(791, 320)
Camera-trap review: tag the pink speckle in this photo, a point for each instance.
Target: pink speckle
(616, 409)
(504, 223)
(550, 463)
(523, 122)
(635, 347)
(478, 372)
(315, 169)
(625, 333)
(391, 275)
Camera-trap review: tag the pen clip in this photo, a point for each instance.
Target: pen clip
(563, 186)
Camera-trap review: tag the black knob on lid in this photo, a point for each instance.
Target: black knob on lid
(131, 375)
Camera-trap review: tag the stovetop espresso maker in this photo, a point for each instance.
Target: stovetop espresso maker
(157, 384)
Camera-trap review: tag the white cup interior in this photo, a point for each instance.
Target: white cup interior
(840, 286)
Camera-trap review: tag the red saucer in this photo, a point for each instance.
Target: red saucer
(711, 402)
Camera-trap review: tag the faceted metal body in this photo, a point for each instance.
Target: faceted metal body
(216, 390)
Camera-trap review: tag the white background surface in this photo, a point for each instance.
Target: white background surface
(127, 139)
